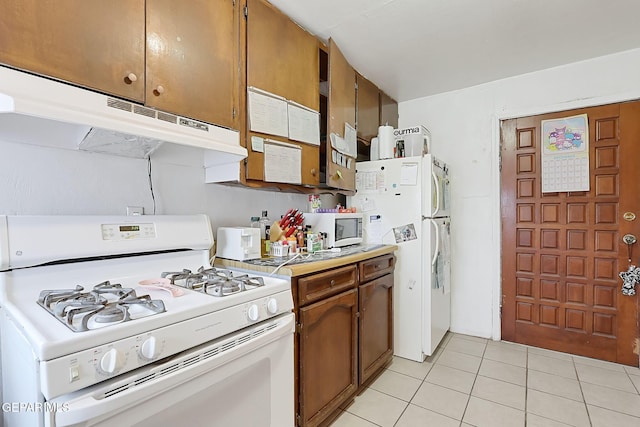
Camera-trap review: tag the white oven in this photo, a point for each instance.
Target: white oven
(242, 380)
(215, 347)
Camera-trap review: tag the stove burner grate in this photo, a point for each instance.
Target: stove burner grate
(213, 281)
(106, 304)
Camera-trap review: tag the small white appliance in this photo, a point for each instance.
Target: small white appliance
(412, 141)
(238, 243)
(341, 229)
(123, 321)
(405, 202)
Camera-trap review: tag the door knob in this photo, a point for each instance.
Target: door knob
(629, 239)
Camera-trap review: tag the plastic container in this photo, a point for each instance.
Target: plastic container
(278, 249)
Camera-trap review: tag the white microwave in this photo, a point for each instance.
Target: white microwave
(342, 229)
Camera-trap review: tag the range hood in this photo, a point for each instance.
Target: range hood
(39, 111)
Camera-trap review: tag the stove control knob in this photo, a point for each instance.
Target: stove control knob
(111, 361)
(253, 313)
(149, 349)
(272, 306)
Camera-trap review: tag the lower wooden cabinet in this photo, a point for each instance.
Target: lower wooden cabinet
(375, 326)
(328, 356)
(344, 334)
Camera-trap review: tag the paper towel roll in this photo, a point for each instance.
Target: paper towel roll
(386, 142)
(374, 150)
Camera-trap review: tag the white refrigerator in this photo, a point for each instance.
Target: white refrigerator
(405, 202)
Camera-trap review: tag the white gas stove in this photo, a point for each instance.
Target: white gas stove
(86, 300)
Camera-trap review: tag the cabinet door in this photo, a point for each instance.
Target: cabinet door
(95, 44)
(388, 111)
(341, 110)
(376, 326)
(193, 59)
(368, 109)
(282, 58)
(328, 356)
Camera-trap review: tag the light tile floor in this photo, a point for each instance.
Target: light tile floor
(471, 381)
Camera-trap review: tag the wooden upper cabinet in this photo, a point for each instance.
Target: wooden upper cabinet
(282, 58)
(96, 44)
(341, 110)
(368, 109)
(388, 111)
(192, 59)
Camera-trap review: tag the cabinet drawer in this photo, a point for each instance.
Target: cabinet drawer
(376, 267)
(322, 285)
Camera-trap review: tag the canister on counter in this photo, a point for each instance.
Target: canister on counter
(314, 242)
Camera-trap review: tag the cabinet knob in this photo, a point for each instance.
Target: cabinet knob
(132, 77)
(159, 90)
(314, 172)
(333, 282)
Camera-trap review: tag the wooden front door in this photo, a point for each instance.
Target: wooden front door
(562, 252)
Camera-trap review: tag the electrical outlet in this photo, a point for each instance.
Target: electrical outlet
(135, 210)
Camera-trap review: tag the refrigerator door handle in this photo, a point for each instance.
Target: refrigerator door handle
(437, 186)
(435, 253)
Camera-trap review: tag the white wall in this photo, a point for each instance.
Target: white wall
(465, 128)
(38, 180)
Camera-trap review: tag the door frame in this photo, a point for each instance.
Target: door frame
(496, 288)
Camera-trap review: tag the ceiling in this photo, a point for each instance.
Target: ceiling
(415, 48)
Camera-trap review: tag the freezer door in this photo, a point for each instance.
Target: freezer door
(435, 188)
(437, 282)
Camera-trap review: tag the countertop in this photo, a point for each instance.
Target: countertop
(306, 264)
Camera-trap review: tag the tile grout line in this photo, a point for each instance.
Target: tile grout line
(473, 385)
(584, 399)
(526, 388)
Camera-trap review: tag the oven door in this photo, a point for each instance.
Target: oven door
(245, 379)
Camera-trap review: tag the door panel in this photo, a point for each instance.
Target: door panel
(282, 58)
(328, 358)
(92, 44)
(190, 71)
(562, 252)
(342, 109)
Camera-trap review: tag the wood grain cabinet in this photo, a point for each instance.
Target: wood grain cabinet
(344, 334)
(180, 57)
(192, 59)
(368, 109)
(282, 59)
(388, 110)
(340, 172)
(375, 331)
(374, 108)
(327, 343)
(99, 45)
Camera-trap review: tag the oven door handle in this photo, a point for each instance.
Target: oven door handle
(101, 402)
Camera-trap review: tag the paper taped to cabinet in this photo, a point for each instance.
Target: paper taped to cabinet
(347, 145)
(304, 123)
(267, 113)
(282, 162)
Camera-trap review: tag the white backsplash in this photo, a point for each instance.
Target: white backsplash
(49, 181)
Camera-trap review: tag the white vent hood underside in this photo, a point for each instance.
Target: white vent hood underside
(39, 111)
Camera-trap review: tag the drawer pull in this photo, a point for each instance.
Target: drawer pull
(333, 282)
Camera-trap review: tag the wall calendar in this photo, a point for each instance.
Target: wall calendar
(565, 154)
